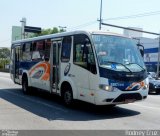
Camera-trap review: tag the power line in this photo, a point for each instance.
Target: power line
(131, 29)
(117, 18)
(134, 16)
(83, 25)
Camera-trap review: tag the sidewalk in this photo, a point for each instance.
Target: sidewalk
(4, 70)
(4, 74)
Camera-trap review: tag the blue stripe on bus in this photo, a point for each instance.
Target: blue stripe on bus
(151, 63)
(151, 50)
(24, 65)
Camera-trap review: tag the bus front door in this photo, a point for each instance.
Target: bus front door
(55, 66)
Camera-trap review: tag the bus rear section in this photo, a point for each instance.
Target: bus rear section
(95, 67)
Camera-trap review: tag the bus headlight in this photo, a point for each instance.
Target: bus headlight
(146, 86)
(106, 87)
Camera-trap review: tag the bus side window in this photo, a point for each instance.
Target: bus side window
(83, 53)
(38, 50)
(26, 55)
(66, 49)
(47, 49)
(91, 59)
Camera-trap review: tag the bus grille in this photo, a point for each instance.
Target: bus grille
(124, 97)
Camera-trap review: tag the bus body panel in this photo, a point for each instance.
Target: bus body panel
(71, 82)
(103, 97)
(106, 98)
(81, 80)
(39, 75)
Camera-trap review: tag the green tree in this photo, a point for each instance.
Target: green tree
(4, 53)
(4, 57)
(49, 31)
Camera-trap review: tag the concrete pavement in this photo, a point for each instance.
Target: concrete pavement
(42, 111)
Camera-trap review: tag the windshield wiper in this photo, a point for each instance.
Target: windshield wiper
(118, 63)
(143, 69)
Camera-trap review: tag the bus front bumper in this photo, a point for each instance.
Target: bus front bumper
(119, 97)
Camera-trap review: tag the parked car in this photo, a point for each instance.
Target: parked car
(154, 85)
(153, 74)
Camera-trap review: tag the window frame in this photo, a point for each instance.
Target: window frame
(36, 49)
(74, 53)
(24, 51)
(66, 60)
(48, 44)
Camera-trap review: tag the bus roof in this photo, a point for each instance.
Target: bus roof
(57, 35)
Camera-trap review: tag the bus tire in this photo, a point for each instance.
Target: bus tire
(67, 96)
(25, 87)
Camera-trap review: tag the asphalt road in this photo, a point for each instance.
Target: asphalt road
(42, 111)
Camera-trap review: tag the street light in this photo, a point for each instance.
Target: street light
(100, 20)
(23, 21)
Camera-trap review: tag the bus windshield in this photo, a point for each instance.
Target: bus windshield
(118, 53)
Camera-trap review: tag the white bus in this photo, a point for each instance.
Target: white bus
(96, 67)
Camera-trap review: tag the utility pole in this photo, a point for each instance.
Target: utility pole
(23, 21)
(100, 19)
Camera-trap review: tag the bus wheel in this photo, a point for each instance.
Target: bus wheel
(68, 97)
(25, 87)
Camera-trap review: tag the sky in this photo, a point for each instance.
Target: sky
(78, 15)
